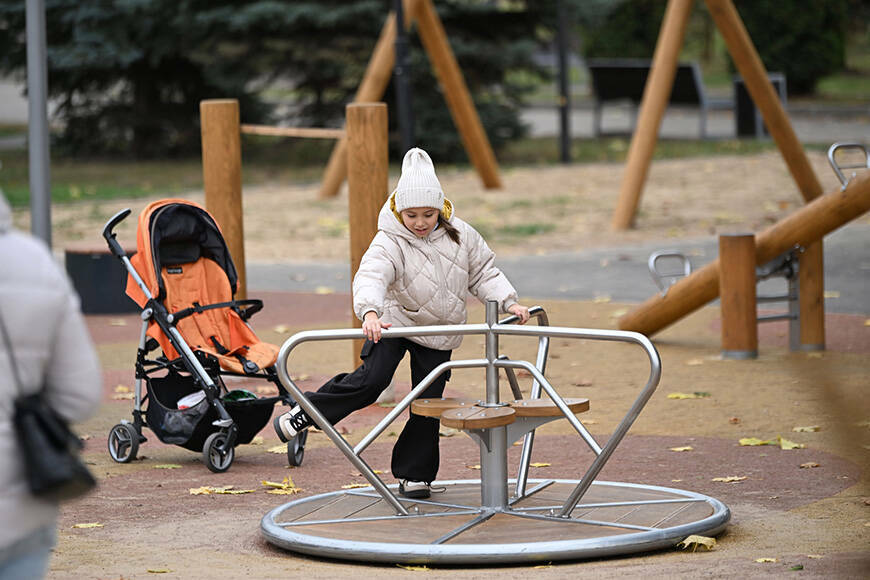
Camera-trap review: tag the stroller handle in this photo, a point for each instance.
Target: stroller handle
(114, 246)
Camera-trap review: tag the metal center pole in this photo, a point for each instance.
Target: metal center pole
(492, 441)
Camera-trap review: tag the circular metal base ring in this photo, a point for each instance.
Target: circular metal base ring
(452, 528)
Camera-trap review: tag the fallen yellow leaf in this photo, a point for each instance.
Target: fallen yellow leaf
(601, 299)
(167, 466)
(277, 449)
(543, 566)
(696, 542)
(258, 440)
(414, 568)
(477, 466)
(809, 429)
(88, 525)
(754, 441)
(809, 465)
(123, 396)
(766, 560)
(282, 329)
(686, 448)
(695, 395)
(730, 478)
(867, 322)
(159, 570)
(122, 389)
(815, 556)
(354, 485)
(693, 362)
(285, 487)
(786, 444)
(224, 489)
(539, 464)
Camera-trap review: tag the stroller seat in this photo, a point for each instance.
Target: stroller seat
(220, 332)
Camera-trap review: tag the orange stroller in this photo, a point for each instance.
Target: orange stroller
(183, 277)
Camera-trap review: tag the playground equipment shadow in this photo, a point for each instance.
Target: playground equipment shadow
(804, 507)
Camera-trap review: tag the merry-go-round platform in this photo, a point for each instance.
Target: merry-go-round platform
(495, 519)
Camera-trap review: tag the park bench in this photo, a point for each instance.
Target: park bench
(624, 79)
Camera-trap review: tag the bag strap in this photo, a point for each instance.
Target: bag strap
(10, 352)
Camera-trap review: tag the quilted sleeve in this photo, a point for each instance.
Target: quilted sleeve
(377, 270)
(485, 281)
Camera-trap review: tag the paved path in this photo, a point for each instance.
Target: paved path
(618, 273)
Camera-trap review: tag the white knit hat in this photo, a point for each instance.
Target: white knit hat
(418, 186)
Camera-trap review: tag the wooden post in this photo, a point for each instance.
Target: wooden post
(656, 94)
(367, 181)
(455, 91)
(737, 296)
(804, 227)
(811, 297)
(222, 177)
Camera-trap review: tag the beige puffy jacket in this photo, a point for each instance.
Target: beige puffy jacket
(411, 281)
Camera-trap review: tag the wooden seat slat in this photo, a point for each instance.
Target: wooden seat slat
(547, 408)
(434, 407)
(476, 417)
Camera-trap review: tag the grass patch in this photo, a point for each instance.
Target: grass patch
(545, 150)
(525, 230)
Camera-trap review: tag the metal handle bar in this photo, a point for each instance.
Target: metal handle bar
(832, 151)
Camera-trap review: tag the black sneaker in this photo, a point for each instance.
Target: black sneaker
(415, 489)
(291, 423)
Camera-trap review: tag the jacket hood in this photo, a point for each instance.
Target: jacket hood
(5, 215)
(390, 221)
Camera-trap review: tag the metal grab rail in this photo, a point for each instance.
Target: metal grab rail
(492, 363)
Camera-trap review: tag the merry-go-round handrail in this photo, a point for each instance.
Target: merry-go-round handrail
(492, 363)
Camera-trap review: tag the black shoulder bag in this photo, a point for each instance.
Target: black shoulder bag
(50, 449)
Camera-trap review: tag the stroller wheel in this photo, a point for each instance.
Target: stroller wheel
(211, 454)
(296, 449)
(123, 442)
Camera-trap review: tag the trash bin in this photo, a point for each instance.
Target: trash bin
(747, 118)
(99, 278)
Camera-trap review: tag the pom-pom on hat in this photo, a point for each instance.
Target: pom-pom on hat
(418, 186)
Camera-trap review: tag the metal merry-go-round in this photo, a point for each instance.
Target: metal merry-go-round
(496, 519)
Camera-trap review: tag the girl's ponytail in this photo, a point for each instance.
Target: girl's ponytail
(448, 227)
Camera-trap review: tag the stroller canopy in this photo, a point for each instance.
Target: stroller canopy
(171, 232)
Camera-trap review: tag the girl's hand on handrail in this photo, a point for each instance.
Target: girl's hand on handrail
(372, 326)
(520, 312)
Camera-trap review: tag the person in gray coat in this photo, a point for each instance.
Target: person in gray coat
(54, 351)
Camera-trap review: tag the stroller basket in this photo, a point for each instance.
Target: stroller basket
(189, 428)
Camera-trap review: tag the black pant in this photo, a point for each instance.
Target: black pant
(415, 455)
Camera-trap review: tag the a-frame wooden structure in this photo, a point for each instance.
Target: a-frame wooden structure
(655, 99)
(377, 77)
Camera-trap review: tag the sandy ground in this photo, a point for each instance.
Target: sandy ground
(816, 517)
(539, 210)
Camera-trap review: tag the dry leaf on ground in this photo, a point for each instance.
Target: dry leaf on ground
(696, 542)
(88, 525)
(730, 479)
(686, 448)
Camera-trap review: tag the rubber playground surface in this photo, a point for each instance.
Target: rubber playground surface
(804, 510)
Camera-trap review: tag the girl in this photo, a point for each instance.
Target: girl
(418, 271)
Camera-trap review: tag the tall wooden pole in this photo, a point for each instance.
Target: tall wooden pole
(456, 93)
(367, 180)
(222, 177)
(803, 227)
(737, 296)
(656, 94)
